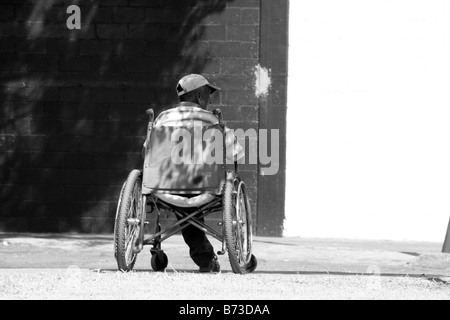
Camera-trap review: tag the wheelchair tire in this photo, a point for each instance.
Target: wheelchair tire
(126, 234)
(238, 226)
(159, 261)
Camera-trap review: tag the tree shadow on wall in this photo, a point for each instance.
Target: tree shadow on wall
(72, 119)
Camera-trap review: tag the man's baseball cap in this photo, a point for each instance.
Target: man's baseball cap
(191, 82)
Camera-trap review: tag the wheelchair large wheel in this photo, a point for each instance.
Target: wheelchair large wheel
(127, 225)
(238, 226)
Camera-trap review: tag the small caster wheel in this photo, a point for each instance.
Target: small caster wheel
(159, 261)
(252, 264)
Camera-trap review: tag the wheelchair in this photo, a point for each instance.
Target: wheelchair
(191, 191)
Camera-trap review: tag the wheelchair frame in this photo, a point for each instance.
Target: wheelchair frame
(131, 218)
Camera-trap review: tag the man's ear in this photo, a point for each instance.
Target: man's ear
(199, 97)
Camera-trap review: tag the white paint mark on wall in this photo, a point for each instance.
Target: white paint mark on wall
(262, 82)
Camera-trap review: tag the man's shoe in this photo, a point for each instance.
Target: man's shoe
(212, 267)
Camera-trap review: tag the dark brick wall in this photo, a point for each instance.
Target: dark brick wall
(72, 117)
(272, 113)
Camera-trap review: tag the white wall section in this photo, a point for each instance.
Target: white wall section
(368, 149)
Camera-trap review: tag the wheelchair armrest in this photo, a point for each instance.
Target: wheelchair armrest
(151, 114)
(218, 113)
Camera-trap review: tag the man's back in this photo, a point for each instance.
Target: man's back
(185, 114)
(190, 114)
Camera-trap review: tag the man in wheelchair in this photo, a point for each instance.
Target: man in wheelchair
(194, 92)
(190, 191)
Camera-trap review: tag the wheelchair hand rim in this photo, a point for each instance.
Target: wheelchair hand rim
(243, 227)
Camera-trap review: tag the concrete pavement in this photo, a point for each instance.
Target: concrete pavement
(275, 255)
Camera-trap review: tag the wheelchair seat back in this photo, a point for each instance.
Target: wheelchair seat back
(178, 160)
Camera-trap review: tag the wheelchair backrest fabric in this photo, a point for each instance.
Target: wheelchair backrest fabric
(178, 160)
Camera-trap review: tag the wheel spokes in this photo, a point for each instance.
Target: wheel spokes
(129, 246)
(243, 233)
(240, 225)
(131, 229)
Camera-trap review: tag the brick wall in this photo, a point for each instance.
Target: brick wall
(73, 102)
